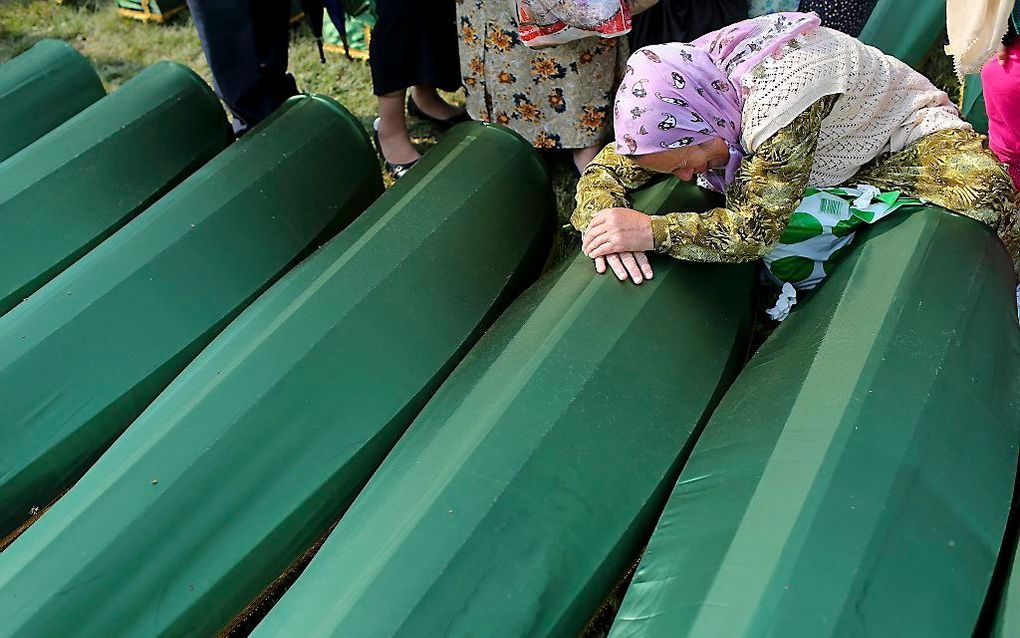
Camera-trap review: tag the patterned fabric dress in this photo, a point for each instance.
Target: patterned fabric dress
(559, 97)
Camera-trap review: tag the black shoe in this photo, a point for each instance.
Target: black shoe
(414, 110)
(397, 170)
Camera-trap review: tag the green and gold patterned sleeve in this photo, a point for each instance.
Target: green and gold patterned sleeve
(759, 203)
(605, 183)
(954, 169)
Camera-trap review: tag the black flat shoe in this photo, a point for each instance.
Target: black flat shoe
(414, 110)
(397, 170)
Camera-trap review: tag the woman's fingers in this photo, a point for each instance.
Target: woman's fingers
(602, 246)
(644, 264)
(590, 236)
(595, 228)
(617, 266)
(630, 263)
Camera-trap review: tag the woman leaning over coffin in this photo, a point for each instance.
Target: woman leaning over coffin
(762, 110)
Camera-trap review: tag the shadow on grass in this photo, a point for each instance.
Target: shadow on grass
(115, 70)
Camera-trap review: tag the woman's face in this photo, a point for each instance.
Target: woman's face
(689, 161)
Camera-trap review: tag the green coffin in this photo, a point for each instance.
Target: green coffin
(1006, 621)
(82, 357)
(40, 90)
(252, 453)
(856, 478)
(73, 188)
(906, 29)
(529, 484)
(973, 104)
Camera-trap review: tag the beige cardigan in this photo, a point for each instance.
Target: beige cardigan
(884, 105)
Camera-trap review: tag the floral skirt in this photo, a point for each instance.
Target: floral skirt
(559, 97)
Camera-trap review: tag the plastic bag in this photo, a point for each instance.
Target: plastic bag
(546, 23)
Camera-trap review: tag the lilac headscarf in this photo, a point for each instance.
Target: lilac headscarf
(676, 95)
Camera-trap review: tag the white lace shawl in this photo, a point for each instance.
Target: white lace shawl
(884, 105)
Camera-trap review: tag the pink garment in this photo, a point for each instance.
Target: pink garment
(1002, 100)
(676, 95)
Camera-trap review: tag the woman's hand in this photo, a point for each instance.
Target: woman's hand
(618, 230)
(633, 265)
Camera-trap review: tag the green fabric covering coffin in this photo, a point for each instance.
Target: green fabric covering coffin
(972, 105)
(251, 454)
(82, 357)
(40, 90)
(856, 478)
(78, 184)
(529, 484)
(906, 30)
(1006, 621)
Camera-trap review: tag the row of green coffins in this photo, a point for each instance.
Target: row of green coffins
(241, 464)
(76, 185)
(835, 488)
(826, 496)
(855, 480)
(83, 356)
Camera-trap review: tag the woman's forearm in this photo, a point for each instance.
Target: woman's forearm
(605, 184)
(759, 203)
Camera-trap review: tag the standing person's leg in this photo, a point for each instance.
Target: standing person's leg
(414, 44)
(391, 130)
(584, 156)
(271, 19)
(237, 45)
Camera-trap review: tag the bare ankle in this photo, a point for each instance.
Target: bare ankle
(396, 144)
(432, 104)
(584, 156)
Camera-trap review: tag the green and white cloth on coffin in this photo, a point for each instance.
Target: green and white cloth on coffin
(819, 231)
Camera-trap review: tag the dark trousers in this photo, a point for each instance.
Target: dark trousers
(245, 42)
